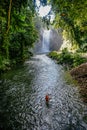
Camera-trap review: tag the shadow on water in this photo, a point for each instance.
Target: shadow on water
(47, 105)
(22, 98)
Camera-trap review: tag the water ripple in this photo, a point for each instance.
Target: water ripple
(23, 105)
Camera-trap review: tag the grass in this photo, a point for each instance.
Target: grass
(69, 79)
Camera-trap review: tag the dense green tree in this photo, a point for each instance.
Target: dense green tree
(17, 30)
(71, 16)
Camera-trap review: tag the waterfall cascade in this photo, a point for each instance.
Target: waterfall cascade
(45, 41)
(49, 40)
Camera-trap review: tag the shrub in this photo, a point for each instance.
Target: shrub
(54, 55)
(4, 64)
(77, 59)
(67, 58)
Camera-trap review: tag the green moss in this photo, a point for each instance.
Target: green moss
(68, 78)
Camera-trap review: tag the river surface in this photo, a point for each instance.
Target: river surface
(22, 98)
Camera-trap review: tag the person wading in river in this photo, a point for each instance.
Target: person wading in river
(47, 98)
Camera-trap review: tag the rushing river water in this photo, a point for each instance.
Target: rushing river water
(22, 98)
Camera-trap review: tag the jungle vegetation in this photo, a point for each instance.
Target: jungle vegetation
(18, 31)
(71, 16)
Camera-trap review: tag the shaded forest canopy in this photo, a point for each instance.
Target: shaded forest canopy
(18, 31)
(71, 16)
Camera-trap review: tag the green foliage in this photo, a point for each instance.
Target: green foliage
(77, 60)
(71, 16)
(4, 64)
(65, 57)
(83, 48)
(68, 59)
(21, 34)
(68, 78)
(54, 55)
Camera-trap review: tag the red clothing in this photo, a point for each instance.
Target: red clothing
(47, 98)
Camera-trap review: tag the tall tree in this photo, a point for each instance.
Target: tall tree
(9, 16)
(17, 30)
(71, 16)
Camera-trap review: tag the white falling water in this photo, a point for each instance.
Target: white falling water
(46, 41)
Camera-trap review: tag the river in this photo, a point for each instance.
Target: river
(22, 98)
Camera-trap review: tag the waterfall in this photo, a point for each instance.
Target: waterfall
(45, 42)
(43, 45)
(49, 40)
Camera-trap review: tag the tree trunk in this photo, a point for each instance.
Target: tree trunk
(9, 17)
(6, 36)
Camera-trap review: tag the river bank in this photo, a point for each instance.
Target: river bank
(76, 65)
(80, 74)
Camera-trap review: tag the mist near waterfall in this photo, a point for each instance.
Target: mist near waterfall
(45, 42)
(49, 40)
